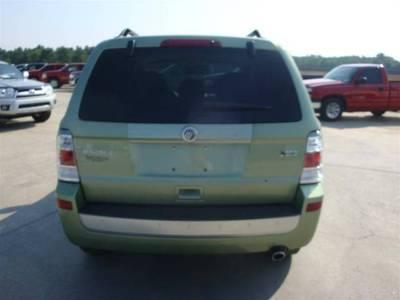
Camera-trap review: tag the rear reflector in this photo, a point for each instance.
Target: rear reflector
(313, 206)
(63, 204)
(190, 43)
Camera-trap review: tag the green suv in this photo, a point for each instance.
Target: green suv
(190, 144)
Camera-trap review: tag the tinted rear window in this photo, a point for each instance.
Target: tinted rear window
(190, 85)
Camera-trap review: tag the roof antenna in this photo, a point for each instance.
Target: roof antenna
(126, 32)
(254, 33)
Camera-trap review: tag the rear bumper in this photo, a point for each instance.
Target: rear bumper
(188, 229)
(236, 235)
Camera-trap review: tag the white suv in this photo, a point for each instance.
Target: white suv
(21, 97)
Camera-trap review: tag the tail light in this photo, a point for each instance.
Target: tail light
(44, 76)
(67, 170)
(312, 170)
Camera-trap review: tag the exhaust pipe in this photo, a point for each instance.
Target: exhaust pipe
(279, 253)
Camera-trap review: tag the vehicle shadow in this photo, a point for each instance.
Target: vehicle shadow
(19, 124)
(246, 276)
(39, 255)
(13, 218)
(364, 120)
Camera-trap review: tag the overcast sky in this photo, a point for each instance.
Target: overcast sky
(329, 28)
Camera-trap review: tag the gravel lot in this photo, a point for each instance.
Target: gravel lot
(354, 255)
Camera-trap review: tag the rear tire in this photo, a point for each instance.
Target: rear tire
(331, 109)
(41, 117)
(3, 122)
(378, 113)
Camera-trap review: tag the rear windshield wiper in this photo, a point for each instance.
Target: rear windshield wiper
(235, 106)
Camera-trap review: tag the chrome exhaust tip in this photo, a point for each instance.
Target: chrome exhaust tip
(279, 253)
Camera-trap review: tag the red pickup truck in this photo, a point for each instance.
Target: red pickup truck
(57, 78)
(37, 73)
(351, 88)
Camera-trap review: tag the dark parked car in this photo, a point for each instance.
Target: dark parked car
(74, 77)
(30, 67)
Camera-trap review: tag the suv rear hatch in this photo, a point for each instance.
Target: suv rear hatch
(192, 123)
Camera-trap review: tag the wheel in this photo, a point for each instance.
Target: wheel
(55, 84)
(41, 117)
(378, 113)
(94, 252)
(331, 109)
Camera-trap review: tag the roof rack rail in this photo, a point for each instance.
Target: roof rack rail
(254, 33)
(126, 32)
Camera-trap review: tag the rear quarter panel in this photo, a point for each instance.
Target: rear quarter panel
(394, 99)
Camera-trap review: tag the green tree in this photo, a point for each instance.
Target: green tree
(47, 55)
(78, 55)
(319, 63)
(63, 54)
(34, 54)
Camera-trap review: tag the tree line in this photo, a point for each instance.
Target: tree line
(45, 54)
(80, 54)
(320, 63)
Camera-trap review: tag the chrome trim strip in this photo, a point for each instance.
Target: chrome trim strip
(164, 228)
(31, 93)
(221, 133)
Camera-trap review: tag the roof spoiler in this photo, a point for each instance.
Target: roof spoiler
(255, 33)
(130, 32)
(127, 32)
